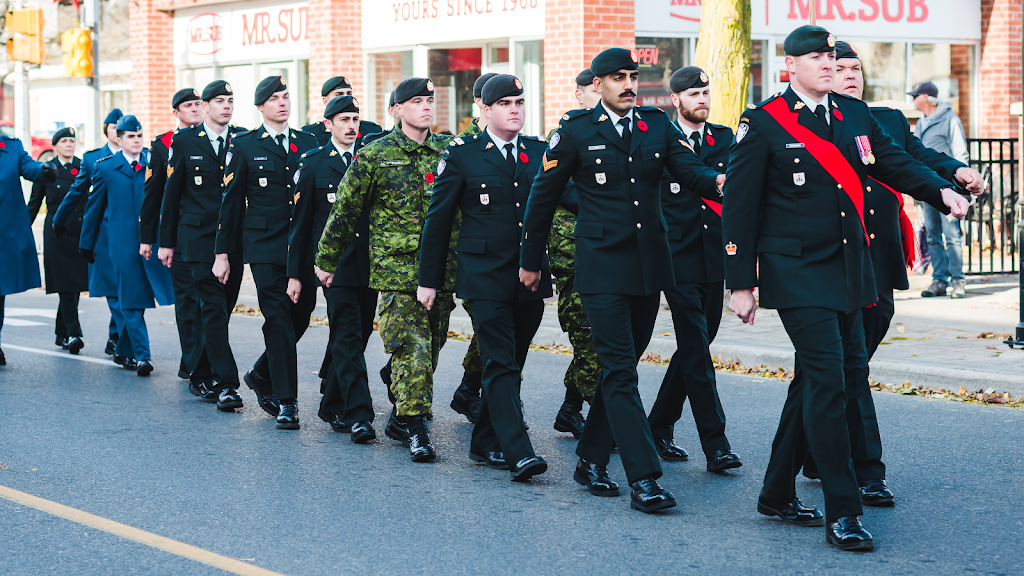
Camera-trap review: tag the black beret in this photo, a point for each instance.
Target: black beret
(612, 60)
(501, 86)
(413, 87)
(217, 88)
(585, 78)
(113, 116)
(686, 78)
(844, 50)
(341, 104)
(336, 83)
(478, 86)
(128, 124)
(807, 39)
(65, 132)
(391, 99)
(268, 87)
(184, 95)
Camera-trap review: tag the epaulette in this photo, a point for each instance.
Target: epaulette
(763, 102)
(236, 130)
(457, 141)
(310, 153)
(534, 138)
(108, 157)
(649, 109)
(577, 113)
(841, 95)
(238, 135)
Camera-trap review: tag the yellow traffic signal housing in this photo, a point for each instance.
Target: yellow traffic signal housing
(76, 44)
(28, 21)
(30, 46)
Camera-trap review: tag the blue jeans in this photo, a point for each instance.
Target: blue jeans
(944, 245)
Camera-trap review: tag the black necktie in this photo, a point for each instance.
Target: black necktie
(821, 112)
(135, 164)
(280, 142)
(220, 149)
(695, 138)
(627, 137)
(348, 158)
(510, 157)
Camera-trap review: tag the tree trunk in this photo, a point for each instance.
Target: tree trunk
(723, 51)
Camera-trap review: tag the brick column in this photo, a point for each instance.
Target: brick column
(1000, 67)
(150, 35)
(574, 32)
(335, 48)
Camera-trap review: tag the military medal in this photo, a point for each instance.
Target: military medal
(799, 178)
(674, 187)
(601, 177)
(485, 199)
(263, 182)
(730, 249)
(864, 149)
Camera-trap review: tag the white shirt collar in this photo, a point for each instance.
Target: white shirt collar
(212, 134)
(501, 143)
(274, 134)
(687, 130)
(341, 150)
(813, 105)
(615, 117)
(129, 158)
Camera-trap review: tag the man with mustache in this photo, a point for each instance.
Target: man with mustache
(331, 89)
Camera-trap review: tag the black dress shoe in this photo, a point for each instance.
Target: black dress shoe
(208, 392)
(144, 368)
(75, 344)
(397, 429)
(363, 432)
(569, 420)
(724, 460)
(264, 392)
(125, 362)
(846, 533)
(528, 468)
(337, 424)
(876, 493)
(61, 342)
(495, 460)
(466, 400)
(670, 452)
(288, 418)
(228, 400)
(111, 347)
(595, 478)
(793, 512)
(420, 448)
(649, 497)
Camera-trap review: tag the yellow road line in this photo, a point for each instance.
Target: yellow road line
(141, 536)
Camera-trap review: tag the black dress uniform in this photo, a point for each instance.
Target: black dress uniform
(350, 301)
(489, 182)
(323, 135)
(66, 273)
(259, 179)
(623, 258)
(191, 206)
(695, 237)
(793, 224)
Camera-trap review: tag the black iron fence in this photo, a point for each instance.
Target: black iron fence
(990, 239)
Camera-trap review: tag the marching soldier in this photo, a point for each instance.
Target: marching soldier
(892, 250)
(487, 180)
(346, 404)
(794, 225)
(188, 231)
(259, 180)
(615, 154)
(67, 275)
(584, 370)
(466, 400)
(19, 262)
(393, 179)
(695, 238)
(102, 281)
(118, 192)
(194, 365)
(333, 88)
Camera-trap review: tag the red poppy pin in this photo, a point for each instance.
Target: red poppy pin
(293, 147)
(3, 145)
(710, 140)
(359, 134)
(523, 157)
(138, 167)
(429, 177)
(642, 125)
(838, 114)
(74, 171)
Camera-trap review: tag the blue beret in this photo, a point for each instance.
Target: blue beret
(128, 124)
(113, 116)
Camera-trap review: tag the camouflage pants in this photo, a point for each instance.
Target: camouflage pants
(584, 370)
(472, 363)
(413, 336)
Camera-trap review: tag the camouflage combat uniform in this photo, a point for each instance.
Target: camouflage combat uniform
(584, 370)
(393, 178)
(471, 362)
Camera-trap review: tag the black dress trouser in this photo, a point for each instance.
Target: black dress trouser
(67, 324)
(621, 327)
(216, 350)
(504, 331)
(691, 373)
(833, 360)
(284, 323)
(346, 389)
(189, 319)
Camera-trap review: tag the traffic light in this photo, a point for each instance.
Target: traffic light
(29, 46)
(77, 46)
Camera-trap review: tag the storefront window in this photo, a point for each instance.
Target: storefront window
(530, 69)
(885, 71)
(388, 70)
(659, 58)
(243, 83)
(454, 71)
(756, 91)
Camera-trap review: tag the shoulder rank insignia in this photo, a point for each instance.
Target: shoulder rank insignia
(602, 118)
(548, 164)
(296, 198)
(170, 170)
(686, 145)
(457, 142)
(730, 249)
(149, 173)
(751, 107)
(798, 105)
(228, 178)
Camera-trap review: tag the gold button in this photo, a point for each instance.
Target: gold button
(638, 225)
(720, 164)
(483, 185)
(705, 226)
(517, 204)
(703, 207)
(843, 214)
(289, 185)
(630, 158)
(520, 224)
(872, 236)
(261, 167)
(657, 155)
(872, 211)
(598, 160)
(516, 184)
(197, 168)
(840, 186)
(632, 180)
(869, 188)
(357, 234)
(636, 202)
(844, 240)
(795, 161)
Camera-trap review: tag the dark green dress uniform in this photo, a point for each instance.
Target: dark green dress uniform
(66, 273)
(491, 191)
(695, 237)
(187, 314)
(259, 182)
(792, 228)
(620, 228)
(350, 302)
(194, 184)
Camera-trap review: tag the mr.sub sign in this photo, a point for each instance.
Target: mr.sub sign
(880, 20)
(241, 32)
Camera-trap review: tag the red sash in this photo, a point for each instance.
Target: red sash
(716, 206)
(906, 227)
(825, 152)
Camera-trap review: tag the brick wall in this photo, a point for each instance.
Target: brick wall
(150, 35)
(960, 71)
(387, 69)
(336, 48)
(1000, 67)
(574, 32)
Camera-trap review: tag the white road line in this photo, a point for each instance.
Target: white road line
(60, 354)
